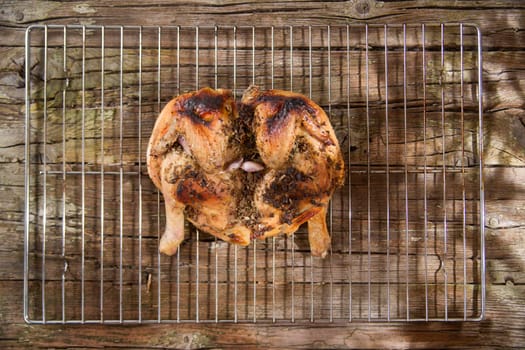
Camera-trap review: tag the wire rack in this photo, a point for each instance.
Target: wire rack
(407, 226)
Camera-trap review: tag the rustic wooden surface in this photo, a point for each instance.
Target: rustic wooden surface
(502, 23)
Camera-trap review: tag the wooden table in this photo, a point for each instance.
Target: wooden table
(502, 24)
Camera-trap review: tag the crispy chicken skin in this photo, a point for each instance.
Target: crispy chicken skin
(239, 172)
(304, 165)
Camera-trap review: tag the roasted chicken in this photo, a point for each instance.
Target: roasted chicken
(245, 171)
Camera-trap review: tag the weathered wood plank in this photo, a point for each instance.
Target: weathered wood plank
(499, 22)
(506, 332)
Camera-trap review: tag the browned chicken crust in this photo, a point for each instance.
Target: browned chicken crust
(244, 171)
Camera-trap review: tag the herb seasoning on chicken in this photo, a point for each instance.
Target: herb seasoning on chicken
(247, 171)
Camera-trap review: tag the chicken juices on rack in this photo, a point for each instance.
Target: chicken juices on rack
(304, 165)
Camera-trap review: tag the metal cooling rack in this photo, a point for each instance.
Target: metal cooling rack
(407, 227)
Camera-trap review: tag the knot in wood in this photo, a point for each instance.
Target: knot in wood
(363, 7)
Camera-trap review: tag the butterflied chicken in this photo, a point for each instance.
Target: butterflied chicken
(246, 171)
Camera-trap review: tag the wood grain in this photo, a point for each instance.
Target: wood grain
(501, 23)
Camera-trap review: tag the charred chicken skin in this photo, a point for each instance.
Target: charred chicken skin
(240, 172)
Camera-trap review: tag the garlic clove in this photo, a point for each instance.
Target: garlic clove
(252, 167)
(235, 164)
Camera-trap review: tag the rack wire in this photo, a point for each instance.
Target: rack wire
(407, 226)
